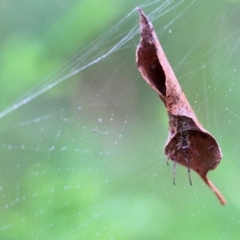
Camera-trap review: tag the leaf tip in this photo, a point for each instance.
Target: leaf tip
(138, 9)
(215, 190)
(143, 18)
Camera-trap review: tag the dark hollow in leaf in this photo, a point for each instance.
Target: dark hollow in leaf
(188, 143)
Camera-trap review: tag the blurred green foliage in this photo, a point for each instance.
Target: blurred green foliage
(39, 36)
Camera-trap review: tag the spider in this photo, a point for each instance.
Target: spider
(182, 147)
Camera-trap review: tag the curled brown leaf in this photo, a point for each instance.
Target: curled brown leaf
(188, 143)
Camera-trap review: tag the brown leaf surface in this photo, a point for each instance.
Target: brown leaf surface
(188, 144)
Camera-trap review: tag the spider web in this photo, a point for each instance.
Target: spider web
(82, 151)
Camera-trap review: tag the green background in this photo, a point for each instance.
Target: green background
(82, 150)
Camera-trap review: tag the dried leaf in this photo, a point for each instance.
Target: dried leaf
(188, 144)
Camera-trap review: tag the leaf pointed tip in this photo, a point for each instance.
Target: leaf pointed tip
(143, 16)
(138, 9)
(218, 194)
